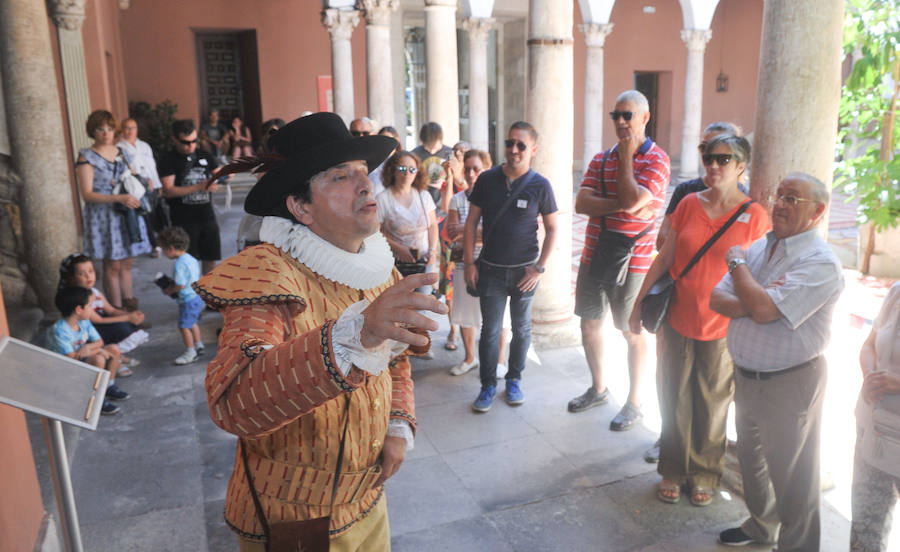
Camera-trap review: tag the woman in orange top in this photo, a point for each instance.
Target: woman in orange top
(695, 370)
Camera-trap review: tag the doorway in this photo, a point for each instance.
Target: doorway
(228, 73)
(647, 83)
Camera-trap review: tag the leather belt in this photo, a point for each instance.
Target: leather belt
(760, 376)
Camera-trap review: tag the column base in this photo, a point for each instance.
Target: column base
(555, 333)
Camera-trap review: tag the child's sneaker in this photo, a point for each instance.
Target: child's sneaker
(187, 357)
(113, 392)
(109, 409)
(199, 347)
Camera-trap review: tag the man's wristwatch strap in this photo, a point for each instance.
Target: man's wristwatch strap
(734, 263)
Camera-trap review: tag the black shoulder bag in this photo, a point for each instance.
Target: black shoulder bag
(309, 534)
(513, 195)
(655, 305)
(612, 251)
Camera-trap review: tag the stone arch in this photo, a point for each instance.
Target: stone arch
(596, 11)
(698, 14)
(478, 8)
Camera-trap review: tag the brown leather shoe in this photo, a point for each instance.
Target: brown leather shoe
(130, 304)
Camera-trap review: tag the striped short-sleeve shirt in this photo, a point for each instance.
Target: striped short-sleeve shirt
(651, 171)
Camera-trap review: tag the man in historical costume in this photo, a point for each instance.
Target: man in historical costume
(780, 295)
(315, 318)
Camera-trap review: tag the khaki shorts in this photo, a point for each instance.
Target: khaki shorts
(592, 299)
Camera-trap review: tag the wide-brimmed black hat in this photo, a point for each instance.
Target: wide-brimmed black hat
(308, 146)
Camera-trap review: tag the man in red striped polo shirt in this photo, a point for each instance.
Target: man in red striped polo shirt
(635, 175)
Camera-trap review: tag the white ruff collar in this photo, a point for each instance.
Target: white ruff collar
(369, 268)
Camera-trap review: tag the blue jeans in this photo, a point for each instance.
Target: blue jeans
(495, 284)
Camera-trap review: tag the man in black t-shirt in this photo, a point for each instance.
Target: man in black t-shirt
(183, 172)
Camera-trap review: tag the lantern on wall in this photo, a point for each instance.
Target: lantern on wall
(722, 82)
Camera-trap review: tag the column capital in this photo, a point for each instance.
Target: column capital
(440, 3)
(378, 12)
(67, 14)
(340, 23)
(478, 27)
(595, 33)
(696, 39)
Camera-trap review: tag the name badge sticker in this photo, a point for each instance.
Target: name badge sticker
(745, 217)
(522, 203)
(203, 162)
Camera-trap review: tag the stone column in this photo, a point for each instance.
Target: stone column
(442, 81)
(696, 40)
(798, 92)
(379, 77)
(68, 15)
(594, 116)
(478, 29)
(340, 25)
(37, 142)
(549, 107)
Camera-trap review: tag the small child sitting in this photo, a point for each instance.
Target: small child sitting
(114, 325)
(74, 336)
(174, 242)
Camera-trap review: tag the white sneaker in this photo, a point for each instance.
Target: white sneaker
(133, 341)
(463, 367)
(187, 357)
(501, 370)
(429, 354)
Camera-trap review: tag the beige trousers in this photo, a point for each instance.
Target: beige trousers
(372, 534)
(779, 422)
(695, 386)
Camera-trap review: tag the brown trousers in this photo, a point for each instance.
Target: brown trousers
(695, 385)
(372, 533)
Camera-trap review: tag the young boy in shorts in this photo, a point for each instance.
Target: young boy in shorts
(175, 242)
(74, 336)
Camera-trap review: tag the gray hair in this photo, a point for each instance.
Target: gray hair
(636, 98)
(739, 146)
(817, 188)
(723, 127)
(462, 145)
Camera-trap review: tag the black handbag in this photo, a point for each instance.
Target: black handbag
(655, 305)
(612, 250)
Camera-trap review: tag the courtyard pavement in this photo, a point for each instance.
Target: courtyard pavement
(526, 478)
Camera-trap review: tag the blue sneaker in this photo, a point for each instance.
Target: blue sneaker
(485, 398)
(514, 395)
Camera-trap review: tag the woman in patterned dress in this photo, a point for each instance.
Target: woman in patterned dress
(110, 235)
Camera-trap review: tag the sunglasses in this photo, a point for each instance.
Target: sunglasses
(405, 169)
(188, 142)
(627, 115)
(358, 133)
(721, 159)
(789, 199)
(518, 144)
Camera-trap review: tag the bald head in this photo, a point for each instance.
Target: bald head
(817, 189)
(361, 127)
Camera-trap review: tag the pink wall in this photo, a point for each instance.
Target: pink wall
(652, 42)
(158, 44)
(103, 57)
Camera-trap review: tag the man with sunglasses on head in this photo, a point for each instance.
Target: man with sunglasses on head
(510, 198)
(635, 175)
(780, 295)
(183, 172)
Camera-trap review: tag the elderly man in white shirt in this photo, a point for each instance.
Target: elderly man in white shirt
(780, 295)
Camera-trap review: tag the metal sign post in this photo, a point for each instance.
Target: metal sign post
(60, 389)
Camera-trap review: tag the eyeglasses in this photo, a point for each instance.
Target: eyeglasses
(358, 133)
(518, 144)
(627, 115)
(789, 199)
(105, 129)
(405, 169)
(188, 142)
(721, 159)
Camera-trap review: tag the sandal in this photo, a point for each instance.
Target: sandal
(450, 344)
(668, 491)
(701, 496)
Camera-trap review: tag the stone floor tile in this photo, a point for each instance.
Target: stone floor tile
(219, 537)
(476, 534)
(169, 530)
(454, 426)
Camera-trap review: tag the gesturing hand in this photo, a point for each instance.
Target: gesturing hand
(398, 305)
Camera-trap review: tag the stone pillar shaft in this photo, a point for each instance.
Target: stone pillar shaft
(479, 112)
(379, 78)
(798, 92)
(550, 109)
(695, 40)
(594, 35)
(340, 24)
(442, 81)
(37, 143)
(68, 15)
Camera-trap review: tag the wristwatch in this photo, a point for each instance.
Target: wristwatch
(734, 263)
(540, 269)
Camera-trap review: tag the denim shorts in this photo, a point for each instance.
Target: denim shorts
(189, 312)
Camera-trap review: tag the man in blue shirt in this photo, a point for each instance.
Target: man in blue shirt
(510, 198)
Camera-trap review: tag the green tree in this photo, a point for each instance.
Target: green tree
(155, 124)
(867, 139)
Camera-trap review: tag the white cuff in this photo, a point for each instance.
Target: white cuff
(349, 350)
(401, 428)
